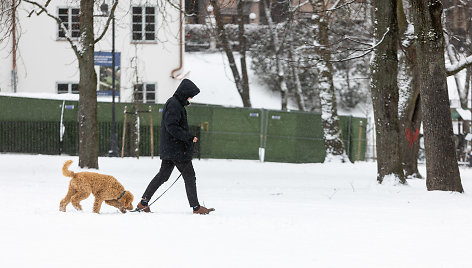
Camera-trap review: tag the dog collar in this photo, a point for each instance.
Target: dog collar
(123, 193)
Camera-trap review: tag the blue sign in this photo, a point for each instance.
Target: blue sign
(105, 58)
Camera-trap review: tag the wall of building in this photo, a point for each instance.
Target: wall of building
(43, 60)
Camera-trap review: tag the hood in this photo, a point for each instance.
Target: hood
(186, 90)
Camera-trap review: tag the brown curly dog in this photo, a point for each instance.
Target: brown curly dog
(104, 188)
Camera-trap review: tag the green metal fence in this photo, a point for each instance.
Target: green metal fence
(29, 137)
(33, 126)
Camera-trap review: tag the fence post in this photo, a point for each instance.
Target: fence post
(359, 142)
(349, 126)
(261, 137)
(124, 134)
(152, 134)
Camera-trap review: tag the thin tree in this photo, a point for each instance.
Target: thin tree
(329, 115)
(9, 33)
(240, 80)
(277, 46)
(84, 51)
(384, 91)
(442, 172)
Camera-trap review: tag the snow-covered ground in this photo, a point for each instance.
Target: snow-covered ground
(267, 215)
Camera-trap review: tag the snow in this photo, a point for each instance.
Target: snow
(212, 74)
(465, 114)
(267, 215)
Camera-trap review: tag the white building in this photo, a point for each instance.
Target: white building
(148, 38)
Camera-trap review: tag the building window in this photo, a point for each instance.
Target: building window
(145, 93)
(70, 18)
(63, 88)
(144, 23)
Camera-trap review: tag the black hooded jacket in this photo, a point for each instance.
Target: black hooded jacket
(176, 141)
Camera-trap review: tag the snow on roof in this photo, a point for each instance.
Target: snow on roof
(49, 96)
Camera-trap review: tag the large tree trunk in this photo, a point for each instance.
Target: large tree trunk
(88, 123)
(384, 89)
(409, 107)
(329, 113)
(410, 123)
(410, 117)
(442, 172)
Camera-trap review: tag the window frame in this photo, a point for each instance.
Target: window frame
(143, 25)
(145, 92)
(69, 22)
(69, 87)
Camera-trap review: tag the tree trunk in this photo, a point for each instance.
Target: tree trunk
(294, 60)
(465, 102)
(410, 118)
(409, 106)
(296, 78)
(329, 114)
(242, 52)
(133, 130)
(88, 123)
(222, 37)
(442, 172)
(277, 46)
(384, 90)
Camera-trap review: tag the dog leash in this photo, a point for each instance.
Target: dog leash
(149, 205)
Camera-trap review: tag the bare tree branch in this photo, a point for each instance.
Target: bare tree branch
(45, 5)
(458, 66)
(4, 9)
(300, 5)
(367, 50)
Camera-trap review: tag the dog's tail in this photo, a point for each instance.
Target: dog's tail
(65, 169)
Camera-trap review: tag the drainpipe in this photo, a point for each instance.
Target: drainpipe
(181, 41)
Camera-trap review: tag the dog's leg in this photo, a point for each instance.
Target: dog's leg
(97, 204)
(66, 200)
(79, 196)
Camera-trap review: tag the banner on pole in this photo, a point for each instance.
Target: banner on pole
(105, 61)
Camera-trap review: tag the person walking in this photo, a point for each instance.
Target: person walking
(176, 148)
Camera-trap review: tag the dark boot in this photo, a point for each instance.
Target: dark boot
(141, 207)
(203, 210)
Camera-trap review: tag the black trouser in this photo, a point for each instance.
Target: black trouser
(188, 173)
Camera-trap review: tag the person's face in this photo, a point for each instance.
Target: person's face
(189, 99)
